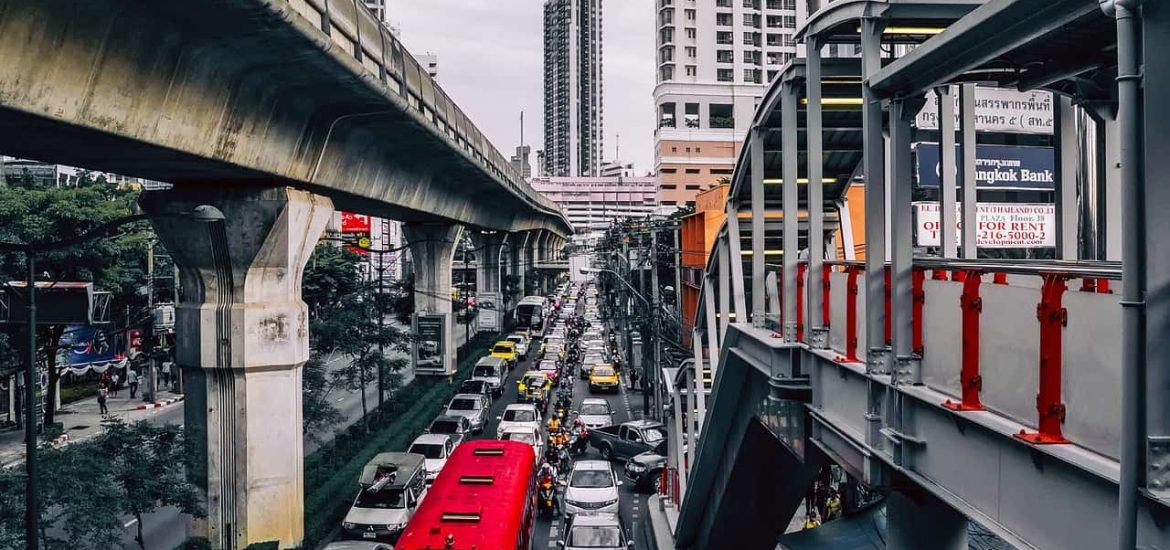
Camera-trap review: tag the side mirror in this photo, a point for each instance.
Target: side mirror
(561, 543)
(620, 483)
(630, 543)
(499, 417)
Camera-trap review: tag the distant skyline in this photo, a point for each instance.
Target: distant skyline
(491, 59)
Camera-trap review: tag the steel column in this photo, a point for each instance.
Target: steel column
(724, 288)
(946, 196)
(970, 380)
(701, 363)
(734, 242)
(756, 142)
(818, 321)
(713, 341)
(789, 133)
(967, 183)
(1053, 317)
(902, 112)
(877, 360)
(1067, 162)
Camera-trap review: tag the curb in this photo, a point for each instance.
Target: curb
(159, 404)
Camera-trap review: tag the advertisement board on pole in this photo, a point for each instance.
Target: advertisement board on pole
(429, 353)
(1001, 225)
(488, 306)
(996, 166)
(997, 110)
(355, 223)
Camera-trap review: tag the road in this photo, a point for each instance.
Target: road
(167, 528)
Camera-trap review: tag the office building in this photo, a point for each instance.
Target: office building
(430, 62)
(592, 203)
(715, 60)
(573, 107)
(614, 168)
(520, 161)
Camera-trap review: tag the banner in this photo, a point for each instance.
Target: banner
(1001, 225)
(87, 347)
(429, 355)
(488, 305)
(997, 110)
(996, 166)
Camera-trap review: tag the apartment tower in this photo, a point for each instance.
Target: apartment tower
(572, 87)
(715, 61)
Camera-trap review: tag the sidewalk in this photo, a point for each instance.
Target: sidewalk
(82, 419)
(663, 521)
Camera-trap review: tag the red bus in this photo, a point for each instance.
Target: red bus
(483, 499)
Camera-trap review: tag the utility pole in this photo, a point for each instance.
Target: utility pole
(466, 301)
(650, 387)
(151, 381)
(378, 303)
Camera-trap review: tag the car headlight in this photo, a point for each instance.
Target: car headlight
(635, 467)
(348, 525)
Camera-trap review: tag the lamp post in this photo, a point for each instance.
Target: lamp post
(203, 213)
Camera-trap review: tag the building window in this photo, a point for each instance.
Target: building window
(721, 171)
(669, 170)
(774, 39)
(751, 20)
(751, 57)
(666, 36)
(690, 14)
(666, 72)
(691, 71)
(691, 33)
(723, 19)
(772, 75)
(751, 4)
(666, 116)
(751, 39)
(723, 3)
(724, 56)
(724, 37)
(692, 51)
(666, 54)
(693, 187)
(691, 115)
(751, 75)
(698, 149)
(691, 203)
(670, 203)
(674, 149)
(693, 171)
(669, 187)
(722, 115)
(724, 75)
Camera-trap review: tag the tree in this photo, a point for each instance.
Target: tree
(401, 299)
(146, 464)
(317, 411)
(332, 273)
(116, 263)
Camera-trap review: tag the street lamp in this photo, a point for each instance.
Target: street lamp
(202, 214)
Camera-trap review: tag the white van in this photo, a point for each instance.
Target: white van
(392, 487)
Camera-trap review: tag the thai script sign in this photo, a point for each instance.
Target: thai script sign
(1000, 224)
(996, 166)
(997, 110)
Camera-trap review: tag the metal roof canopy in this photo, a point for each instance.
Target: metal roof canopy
(841, 133)
(1068, 46)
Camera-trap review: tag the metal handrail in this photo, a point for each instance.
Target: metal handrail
(1087, 269)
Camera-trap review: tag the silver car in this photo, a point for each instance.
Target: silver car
(596, 531)
(470, 406)
(595, 413)
(591, 487)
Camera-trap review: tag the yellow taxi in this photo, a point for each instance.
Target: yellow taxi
(603, 377)
(506, 350)
(534, 387)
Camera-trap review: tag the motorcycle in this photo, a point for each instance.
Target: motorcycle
(547, 498)
(578, 442)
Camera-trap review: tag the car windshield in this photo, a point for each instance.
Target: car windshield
(534, 381)
(595, 409)
(519, 415)
(595, 536)
(502, 349)
(386, 498)
(523, 437)
(445, 427)
(464, 405)
(428, 450)
(516, 339)
(472, 386)
(603, 371)
(653, 435)
(548, 365)
(591, 479)
(487, 371)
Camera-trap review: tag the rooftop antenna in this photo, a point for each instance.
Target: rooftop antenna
(619, 148)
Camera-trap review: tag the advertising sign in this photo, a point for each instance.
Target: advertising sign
(997, 110)
(488, 305)
(355, 223)
(429, 355)
(996, 166)
(88, 347)
(1001, 225)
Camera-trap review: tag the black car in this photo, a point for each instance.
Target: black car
(478, 387)
(645, 470)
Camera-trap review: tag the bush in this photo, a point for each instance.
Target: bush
(332, 471)
(77, 392)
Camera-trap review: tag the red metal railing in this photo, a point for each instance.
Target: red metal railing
(669, 486)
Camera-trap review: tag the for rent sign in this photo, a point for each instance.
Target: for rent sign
(1001, 225)
(996, 166)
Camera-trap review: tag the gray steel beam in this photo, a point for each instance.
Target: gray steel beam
(1067, 167)
(700, 363)
(736, 261)
(967, 183)
(946, 129)
(756, 142)
(788, 108)
(902, 112)
(724, 288)
(814, 324)
(875, 198)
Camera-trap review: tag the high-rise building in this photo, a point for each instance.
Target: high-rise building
(430, 62)
(378, 8)
(593, 203)
(614, 168)
(573, 125)
(520, 161)
(715, 60)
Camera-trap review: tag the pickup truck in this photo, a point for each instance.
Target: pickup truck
(627, 439)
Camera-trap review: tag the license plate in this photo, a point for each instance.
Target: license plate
(368, 535)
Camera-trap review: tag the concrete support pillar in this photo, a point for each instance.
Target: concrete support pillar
(243, 336)
(432, 245)
(488, 286)
(519, 247)
(921, 522)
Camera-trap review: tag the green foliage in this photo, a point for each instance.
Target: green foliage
(317, 410)
(331, 472)
(330, 278)
(400, 299)
(78, 392)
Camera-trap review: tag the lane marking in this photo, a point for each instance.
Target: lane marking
(129, 523)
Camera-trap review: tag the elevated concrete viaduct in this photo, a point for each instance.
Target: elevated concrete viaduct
(274, 112)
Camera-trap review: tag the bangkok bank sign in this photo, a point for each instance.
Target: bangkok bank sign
(996, 166)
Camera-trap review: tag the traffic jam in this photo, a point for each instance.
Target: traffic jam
(538, 449)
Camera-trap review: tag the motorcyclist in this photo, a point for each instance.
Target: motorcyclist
(554, 423)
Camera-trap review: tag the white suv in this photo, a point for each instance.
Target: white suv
(519, 414)
(591, 487)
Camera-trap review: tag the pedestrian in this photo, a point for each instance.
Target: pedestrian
(103, 394)
(132, 380)
(633, 379)
(166, 372)
(115, 380)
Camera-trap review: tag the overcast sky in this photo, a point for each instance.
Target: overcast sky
(491, 56)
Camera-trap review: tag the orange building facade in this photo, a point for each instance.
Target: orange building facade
(697, 237)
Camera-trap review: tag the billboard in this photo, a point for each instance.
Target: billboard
(88, 347)
(1000, 225)
(355, 223)
(997, 110)
(430, 357)
(996, 166)
(489, 307)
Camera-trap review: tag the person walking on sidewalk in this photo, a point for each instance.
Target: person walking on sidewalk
(132, 380)
(103, 394)
(633, 379)
(114, 382)
(165, 371)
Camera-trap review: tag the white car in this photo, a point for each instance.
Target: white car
(473, 407)
(521, 342)
(525, 434)
(435, 448)
(519, 414)
(595, 413)
(591, 487)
